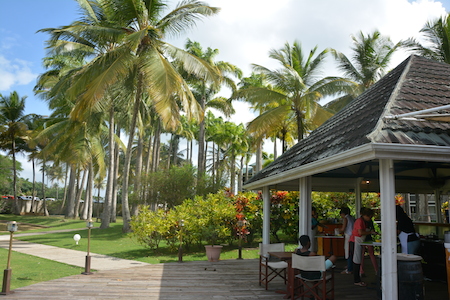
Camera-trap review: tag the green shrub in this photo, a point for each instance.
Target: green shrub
(209, 219)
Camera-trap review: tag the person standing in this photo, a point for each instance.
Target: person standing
(370, 226)
(409, 238)
(347, 228)
(358, 235)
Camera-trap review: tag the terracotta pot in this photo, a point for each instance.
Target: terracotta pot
(213, 252)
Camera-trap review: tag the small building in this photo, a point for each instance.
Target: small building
(364, 146)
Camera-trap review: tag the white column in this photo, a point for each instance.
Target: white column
(358, 196)
(304, 212)
(389, 288)
(266, 215)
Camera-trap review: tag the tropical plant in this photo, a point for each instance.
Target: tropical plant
(129, 39)
(294, 90)
(205, 91)
(13, 132)
(371, 55)
(436, 40)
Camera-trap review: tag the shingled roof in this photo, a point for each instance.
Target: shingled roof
(416, 84)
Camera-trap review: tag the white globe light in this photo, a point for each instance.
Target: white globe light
(77, 238)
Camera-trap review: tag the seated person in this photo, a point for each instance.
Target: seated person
(305, 242)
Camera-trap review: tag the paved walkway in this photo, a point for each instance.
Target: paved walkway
(67, 256)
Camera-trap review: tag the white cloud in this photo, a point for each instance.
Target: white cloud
(245, 31)
(14, 72)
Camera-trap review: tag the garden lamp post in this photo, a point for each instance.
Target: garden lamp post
(240, 225)
(180, 248)
(87, 268)
(11, 227)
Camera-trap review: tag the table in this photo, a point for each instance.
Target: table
(336, 243)
(287, 257)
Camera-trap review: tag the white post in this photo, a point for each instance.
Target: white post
(304, 212)
(358, 196)
(389, 288)
(266, 215)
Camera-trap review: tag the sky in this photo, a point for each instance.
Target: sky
(244, 32)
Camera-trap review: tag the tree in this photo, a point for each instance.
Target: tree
(294, 89)
(436, 43)
(13, 131)
(205, 91)
(6, 174)
(371, 55)
(130, 39)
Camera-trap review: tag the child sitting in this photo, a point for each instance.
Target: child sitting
(305, 242)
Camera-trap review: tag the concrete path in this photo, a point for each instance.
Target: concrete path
(67, 256)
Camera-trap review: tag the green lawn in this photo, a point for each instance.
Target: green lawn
(45, 223)
(27, 269)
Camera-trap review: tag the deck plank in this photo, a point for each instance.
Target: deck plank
(228, 279)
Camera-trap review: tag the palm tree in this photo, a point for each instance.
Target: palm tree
(371, 55)
(205, 91)
(233, 141)
(436, 43)
(13, 130)
(129, 36)
(294, 89)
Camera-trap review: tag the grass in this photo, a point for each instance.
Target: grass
(27, 269)
(43, 223)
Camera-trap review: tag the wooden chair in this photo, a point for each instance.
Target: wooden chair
(313, 279)
(269, 267)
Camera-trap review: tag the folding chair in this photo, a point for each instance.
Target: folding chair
(313, 280)
(270, 267)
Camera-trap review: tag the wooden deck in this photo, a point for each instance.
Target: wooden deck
(228, 279)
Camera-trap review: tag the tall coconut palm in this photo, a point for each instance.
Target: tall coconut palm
(13, 130)
(371, 55)
(436, 44)
(205, 91)
(134, 49)
(295, 88)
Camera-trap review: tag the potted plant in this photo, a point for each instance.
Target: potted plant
(212, 234)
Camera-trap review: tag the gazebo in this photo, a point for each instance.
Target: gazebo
(365, 146)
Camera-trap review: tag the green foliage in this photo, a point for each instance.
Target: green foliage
(6, 174)
(209, 219)
(328, 204)
(170, 186)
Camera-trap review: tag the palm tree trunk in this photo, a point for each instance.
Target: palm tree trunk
(87, 209)
(169, 151)
(233, 173)
(126, 168)
(106, 213)
(65, 189)
(156, 146)
(80, 194)
(33, 203)
(43, 189)
(258, 165)
(213, 167)
(113, 212)
(201, 142)
(71, 193)
(275, 153)
(137, 177)
(16, 201)
(192, 150)
(241, 174)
